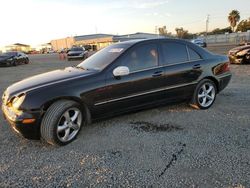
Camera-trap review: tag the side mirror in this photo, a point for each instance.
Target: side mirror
(121, 71)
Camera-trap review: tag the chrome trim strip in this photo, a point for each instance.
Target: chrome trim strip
(226, 75)
(144, 93)
(163, 66)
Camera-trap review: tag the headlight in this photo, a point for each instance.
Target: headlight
(243, 52)
(11, 59)
(17, 101)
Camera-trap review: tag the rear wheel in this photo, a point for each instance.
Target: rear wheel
(204, 95)
(62, 122)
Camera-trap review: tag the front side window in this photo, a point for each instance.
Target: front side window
(174, 53)
(141, 57)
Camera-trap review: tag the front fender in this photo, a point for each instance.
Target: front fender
(41, 98)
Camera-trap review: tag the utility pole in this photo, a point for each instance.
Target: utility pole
(207, 23)
(156, 31)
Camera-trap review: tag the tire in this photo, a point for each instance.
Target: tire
(27, 61)
(62, 122)
(246, 59)
(204, 95)
(13, 63)
(86, 55)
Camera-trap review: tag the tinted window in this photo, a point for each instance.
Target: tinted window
(141, 57)
(193, 55)
(174, 53)
(76, 49)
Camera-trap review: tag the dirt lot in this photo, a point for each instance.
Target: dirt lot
(171, 146)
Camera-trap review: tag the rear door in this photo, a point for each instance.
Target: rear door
(182, 68)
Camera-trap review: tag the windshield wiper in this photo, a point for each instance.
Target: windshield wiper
(79, 67)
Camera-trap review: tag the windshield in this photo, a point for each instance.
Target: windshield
(104, 57)
(76, 49)
(10, 53)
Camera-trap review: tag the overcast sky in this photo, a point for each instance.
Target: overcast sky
(39, 21)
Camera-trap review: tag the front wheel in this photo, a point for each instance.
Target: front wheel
(27, 61)
(246, 59)
(14, 63)
(204, 95)
(62, 122)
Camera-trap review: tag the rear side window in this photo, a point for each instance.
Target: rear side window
(174, 53)
(193, 55)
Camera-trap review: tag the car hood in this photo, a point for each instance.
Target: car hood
(45, 79)
(237, 49)
(75, 52)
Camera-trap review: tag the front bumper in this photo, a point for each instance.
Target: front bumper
(5, 63)
(15, 120)
(75, 56)
(235, 60)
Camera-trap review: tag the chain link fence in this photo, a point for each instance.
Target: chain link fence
(230, 38)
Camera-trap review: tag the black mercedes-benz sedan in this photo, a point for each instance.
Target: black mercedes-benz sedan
(13, 59)
(120, 78)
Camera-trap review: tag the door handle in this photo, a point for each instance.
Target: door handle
(157, 74)
(197, 66)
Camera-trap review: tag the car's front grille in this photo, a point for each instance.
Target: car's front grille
(74, 54)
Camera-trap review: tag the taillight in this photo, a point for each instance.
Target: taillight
(222, 68)
(226, 67)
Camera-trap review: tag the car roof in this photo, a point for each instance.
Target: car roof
(204, 53)
(132, 42)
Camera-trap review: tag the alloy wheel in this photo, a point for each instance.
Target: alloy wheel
(69, 124)
(206, 94)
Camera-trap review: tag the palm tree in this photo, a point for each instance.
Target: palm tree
(181, 33)
(164, 32)
(233, 18)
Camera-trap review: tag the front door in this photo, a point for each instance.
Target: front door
(143, 84)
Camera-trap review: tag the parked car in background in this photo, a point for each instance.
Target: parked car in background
(13, 58)
(199, 42)
(240, 55)
(123, 77)
(51, 51)
(33, 52)
(77, 53)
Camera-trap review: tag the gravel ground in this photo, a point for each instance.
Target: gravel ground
(171, 146)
